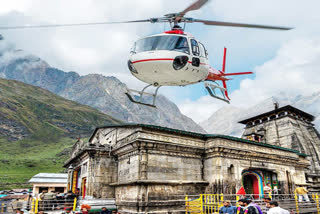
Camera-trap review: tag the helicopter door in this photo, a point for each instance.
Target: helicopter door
(196, 52)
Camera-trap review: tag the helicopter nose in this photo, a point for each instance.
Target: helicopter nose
(153, 65)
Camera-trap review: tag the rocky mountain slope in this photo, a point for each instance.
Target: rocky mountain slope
(103, 93)
(37, 130)
(225, 120)
(26, 110)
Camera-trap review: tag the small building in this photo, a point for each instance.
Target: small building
(143, 167)
(50, 182)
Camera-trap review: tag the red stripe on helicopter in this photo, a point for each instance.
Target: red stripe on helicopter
(146, 60)
(160, 59)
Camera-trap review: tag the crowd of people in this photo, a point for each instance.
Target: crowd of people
(52, 200)
(247, 206)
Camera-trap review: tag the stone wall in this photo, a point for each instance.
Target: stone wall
(147, 197)
(150, 170)
(103, 171)
(292, 132)
(166, 168)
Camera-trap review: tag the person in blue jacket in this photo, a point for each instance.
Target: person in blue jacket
(228, 208)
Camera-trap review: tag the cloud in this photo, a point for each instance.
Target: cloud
(201, 108)
(104, 49)
(294, 70)
(100, 49)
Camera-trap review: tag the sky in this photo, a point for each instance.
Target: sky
(282, 61)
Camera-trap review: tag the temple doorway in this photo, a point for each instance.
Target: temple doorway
(84, 187)
(252, 183)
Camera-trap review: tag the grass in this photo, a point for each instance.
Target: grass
(52, 124)
(20, 160)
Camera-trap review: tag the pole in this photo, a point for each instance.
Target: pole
(74, 204)
(317, 202)
(297, 204)
(37, 205)
(187, 205)
(201, 204)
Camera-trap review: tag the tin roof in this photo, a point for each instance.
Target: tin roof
(60, 178)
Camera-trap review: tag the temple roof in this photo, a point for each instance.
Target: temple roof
(194, 134)
(287, 108)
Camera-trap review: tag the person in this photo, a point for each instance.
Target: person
(69, 197)
(85, 208)
(303, 193)
(275, 209)
(41, 202)
(240, 208)
(256, 205)
(48, 199)
(105, 211)
(275, 191)
(227, 208)
(248, 207)
(267, 201)
(77, 192)
(84, 211)
(68, 210)
(267, 189)
(59, 200)
(18, 210)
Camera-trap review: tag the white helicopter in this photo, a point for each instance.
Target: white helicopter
(172, 58)
(176, 58)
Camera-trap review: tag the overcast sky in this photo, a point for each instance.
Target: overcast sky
(282, 61)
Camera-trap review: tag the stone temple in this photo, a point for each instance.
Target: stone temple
(291, 128)
(144, 167)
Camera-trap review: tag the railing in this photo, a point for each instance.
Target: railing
(211, 203)
(206, 203)
(51, 205)
(35, 205)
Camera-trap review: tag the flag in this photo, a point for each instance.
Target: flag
(241, 191)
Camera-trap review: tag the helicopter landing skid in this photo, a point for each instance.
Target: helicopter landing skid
(139, 97)
(212, 88)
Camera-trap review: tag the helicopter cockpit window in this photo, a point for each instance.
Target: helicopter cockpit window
(203, 51)
(172, 43)
(195, 47)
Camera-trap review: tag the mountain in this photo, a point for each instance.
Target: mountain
(37, 130)
(26, 110)
(106, 94)
(225, 120)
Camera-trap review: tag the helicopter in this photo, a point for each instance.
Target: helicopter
(177, 58)
(174, 57)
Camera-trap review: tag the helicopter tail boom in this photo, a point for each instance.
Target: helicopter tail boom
(215, 75)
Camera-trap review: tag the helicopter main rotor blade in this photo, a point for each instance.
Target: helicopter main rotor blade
(232, 24)
(195, 6)
(70, 25)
